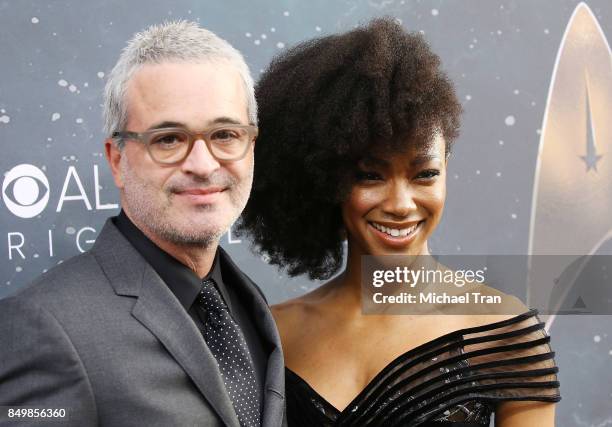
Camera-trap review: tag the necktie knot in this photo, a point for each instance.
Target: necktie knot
(211, 301)
(210, 297)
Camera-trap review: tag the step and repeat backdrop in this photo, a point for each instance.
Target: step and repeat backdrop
(530, 174)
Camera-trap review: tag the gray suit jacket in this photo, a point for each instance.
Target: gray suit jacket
(102, 336)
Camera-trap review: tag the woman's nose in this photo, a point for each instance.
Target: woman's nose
(400, 200)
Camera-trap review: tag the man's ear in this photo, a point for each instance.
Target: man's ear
(113, 156)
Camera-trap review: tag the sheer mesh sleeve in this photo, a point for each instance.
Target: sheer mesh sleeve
(456, 378)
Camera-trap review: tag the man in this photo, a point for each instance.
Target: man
(155, 326)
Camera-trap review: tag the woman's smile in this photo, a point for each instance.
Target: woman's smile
(397, 236)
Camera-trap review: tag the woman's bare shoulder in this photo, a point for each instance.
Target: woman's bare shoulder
(299, 308)
(506, 306)
(293, 316)
(288, 311)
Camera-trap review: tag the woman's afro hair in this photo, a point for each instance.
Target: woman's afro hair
(323, 105)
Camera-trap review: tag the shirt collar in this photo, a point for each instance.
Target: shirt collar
(182, 281)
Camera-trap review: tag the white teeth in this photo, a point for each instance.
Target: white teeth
(395, 232)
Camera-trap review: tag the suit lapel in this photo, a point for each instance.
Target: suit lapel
(260, 313)
(162, 314)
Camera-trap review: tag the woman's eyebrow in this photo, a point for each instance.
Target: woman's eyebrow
(416, 161)
(373, 161)
(423, 158)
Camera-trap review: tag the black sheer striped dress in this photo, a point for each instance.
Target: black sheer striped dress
(454, 380)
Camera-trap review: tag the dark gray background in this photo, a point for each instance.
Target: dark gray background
(55, 56)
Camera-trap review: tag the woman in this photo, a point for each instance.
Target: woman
(356, 130)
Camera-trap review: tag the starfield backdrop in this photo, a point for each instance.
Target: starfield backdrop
(530, 174)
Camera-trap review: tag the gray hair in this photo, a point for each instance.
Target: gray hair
(170, 41)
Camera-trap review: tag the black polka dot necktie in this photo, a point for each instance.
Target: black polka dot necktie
(227, 344)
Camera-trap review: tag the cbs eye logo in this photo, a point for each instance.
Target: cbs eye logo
(25, 191)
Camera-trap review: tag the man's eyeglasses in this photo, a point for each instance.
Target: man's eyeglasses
(170, 146)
